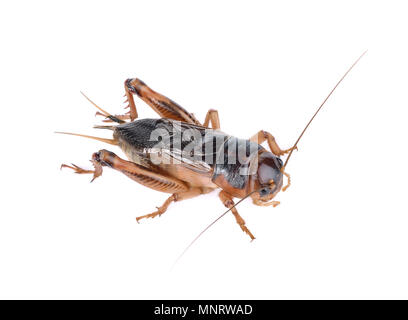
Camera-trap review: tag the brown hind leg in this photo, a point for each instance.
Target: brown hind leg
(151, 179)
(97, 172)
(144, 175)
(121, 117)
(229, 203)
(263, 136)
(165, 107)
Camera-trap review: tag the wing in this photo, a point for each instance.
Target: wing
(156, 141)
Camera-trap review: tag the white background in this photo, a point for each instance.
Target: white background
(341, 229)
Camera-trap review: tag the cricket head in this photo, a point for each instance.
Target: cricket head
(268, 179)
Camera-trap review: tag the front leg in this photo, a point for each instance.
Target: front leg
(263, 136)
(229, 203)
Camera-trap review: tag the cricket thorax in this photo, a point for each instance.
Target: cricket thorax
(236, 162)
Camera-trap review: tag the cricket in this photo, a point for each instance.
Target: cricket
(181, 156)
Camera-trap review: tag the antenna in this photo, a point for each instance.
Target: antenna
(321, 106)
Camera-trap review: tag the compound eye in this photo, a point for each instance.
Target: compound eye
(263, 192)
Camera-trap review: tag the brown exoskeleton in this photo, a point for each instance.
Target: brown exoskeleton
(191, 158)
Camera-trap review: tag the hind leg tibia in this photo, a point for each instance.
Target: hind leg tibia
(165, 107)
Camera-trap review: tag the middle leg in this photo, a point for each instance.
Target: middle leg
(212, 116)
(229, 203)
(179, 196)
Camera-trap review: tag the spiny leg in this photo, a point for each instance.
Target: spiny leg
(146, 176)
(229, 203)
(212, 116)
(97, 172)
(160, 210)
(107, 115)
(122, 117)
(129, 98)
(77, 169)
(165, 107)
(191, 193)
(129, 115)
(263, 136)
